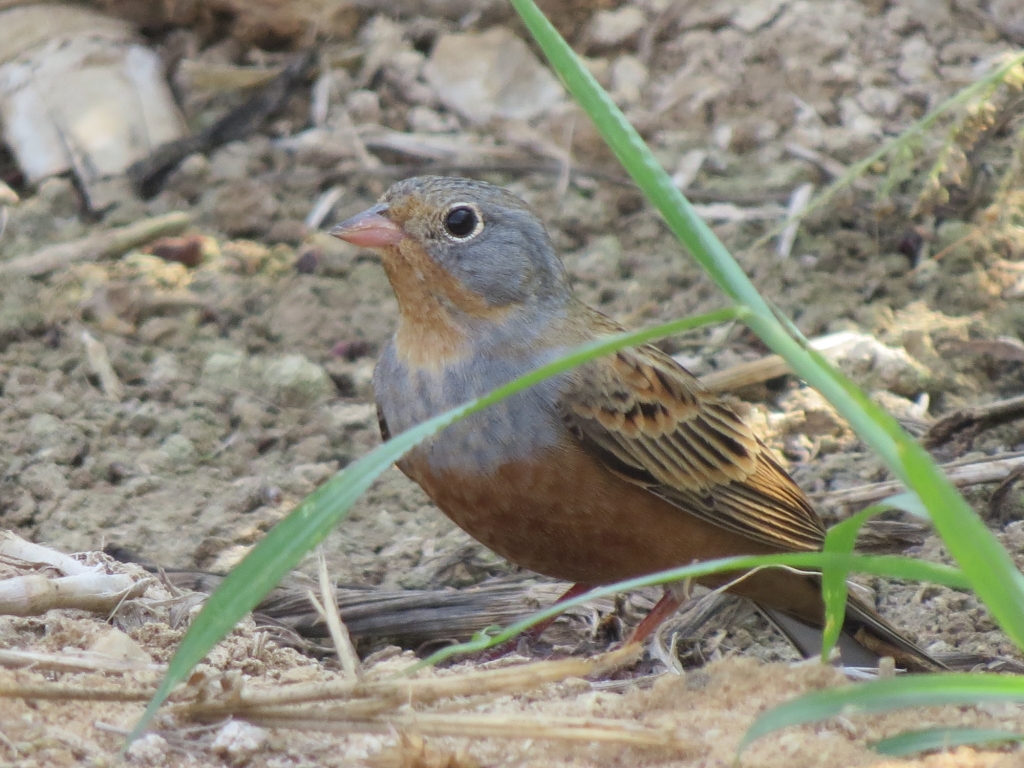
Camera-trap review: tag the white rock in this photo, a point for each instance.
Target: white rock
(899, 406)
(856, 121)
(179, 448)
(900, 20)
(115, 644)
(426, 120)
(610, 29)
(230, 161)
(877, 366)
(754, 14)
(382, 40)
(44, 425)
(78, 94)
(688, 168)
(404, 70)
(879, 102)
(600, 68)
(224, 370)
(490, 74)
(351, 415)
(722, 135)
(295, 381)
(238, 741)
(917, 60)
(629, 76)
(164, 370)
(151, 749)
(363, 106)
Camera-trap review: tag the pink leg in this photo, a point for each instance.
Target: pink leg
(664, 608)
(534, 632)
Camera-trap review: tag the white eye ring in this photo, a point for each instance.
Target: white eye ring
(462, 222)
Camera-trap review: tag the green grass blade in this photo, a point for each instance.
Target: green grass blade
(973, 546)
(886, 695)
(907, 502)
(840, 539)
(929, 739)
(893, 566)
(306, 526)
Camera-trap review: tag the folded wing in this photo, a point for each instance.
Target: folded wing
(651, 422)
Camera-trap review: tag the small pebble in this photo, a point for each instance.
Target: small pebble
(295, 381)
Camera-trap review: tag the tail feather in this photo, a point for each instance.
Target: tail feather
(865, 639)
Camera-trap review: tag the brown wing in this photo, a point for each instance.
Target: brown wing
(651, 422)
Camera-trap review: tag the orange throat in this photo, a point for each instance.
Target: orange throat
(429, 335)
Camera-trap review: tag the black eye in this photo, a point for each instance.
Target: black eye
(462, 221)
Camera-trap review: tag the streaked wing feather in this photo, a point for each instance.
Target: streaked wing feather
(385, 431)
(652, 423)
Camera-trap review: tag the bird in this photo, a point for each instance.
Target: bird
(618, 468)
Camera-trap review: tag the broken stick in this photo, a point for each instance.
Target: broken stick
(102, 245)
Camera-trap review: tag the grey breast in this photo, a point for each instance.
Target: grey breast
(512, 429)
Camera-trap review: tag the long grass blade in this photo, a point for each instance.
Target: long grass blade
(929, 690)
(840, 539)
(930, 739)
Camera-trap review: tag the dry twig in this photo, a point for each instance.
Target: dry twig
(102, 245)
(974, 419)
(86, 587)
(7, 197)
(83, 661)
(389, 694)
(15, 549)
(382, 706)
(35, 594)
(991, 469)
(572, 729)
(832, 347)
(339, 634)
(324, 205)
(833, 168)
(11, 689)
(99, 362)
(797, 205)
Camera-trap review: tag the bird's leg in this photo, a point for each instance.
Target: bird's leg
(532, 635)
(675, 595)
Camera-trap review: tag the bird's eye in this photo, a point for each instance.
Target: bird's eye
(463, 221)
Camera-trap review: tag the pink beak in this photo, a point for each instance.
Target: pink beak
(369, 229)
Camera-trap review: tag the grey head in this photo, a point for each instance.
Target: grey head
(482, 235)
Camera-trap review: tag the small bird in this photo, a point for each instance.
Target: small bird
(621, 467)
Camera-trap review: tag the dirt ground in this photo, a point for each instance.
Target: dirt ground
(246, 371)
